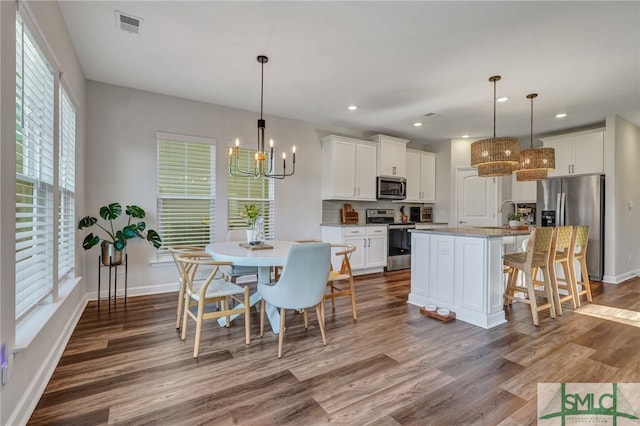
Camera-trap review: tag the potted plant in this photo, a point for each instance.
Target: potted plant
(116, 239)
(252, 212)
(514, 220)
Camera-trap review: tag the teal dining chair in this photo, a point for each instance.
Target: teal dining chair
(301, 285)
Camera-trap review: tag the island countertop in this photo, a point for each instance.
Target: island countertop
(479, 232)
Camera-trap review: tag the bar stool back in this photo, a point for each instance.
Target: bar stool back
(580, 256)
(562, 248)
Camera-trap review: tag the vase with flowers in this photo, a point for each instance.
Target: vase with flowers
(255, 235)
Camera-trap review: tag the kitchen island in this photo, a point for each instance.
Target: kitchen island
(460, 269)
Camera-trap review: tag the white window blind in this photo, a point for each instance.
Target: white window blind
(245, 190)
(186, 191)
(34, 172)
(66, 186)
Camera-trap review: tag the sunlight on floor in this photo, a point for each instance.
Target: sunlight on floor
(624, 316)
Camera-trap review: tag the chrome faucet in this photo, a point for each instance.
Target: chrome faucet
(515, 206)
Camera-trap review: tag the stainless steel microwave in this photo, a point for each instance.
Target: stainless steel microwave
(391, 188)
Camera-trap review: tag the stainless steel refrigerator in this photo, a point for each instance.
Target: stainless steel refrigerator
(576, 200)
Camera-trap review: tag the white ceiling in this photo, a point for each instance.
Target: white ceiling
(396, 60)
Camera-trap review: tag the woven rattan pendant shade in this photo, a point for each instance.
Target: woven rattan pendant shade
(535, 162)
(495, 156)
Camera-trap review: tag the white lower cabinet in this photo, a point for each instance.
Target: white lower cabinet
(463, 274)
(370, 241)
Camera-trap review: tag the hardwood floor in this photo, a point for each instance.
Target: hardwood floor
(392, 366)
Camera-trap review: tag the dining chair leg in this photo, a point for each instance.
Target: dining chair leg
(185, 313)
(247, 316)
(196, 346)
(306, 319)
(333, 297)
(321, 321)
(282, 329)
(322, 314)
(352, 289)
(180, 303)
(585, 279)
(262, 317)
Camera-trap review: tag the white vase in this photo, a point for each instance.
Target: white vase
(249, 235)
(515, 223)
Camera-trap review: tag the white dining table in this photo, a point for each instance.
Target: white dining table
(263, 259)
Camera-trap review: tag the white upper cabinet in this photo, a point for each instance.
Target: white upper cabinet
(523, 192)
(391, 155)
(577, 153)
(421, 176)
(348, 169)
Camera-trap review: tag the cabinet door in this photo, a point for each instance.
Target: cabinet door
(428, 178)
(523, 192)
(365, 169)
(564, 156)
(414, 177)
(420, 266)
(392, 158)
(470, 272)
(588, 154)
(376, 251)
(441, 268)
(343, 168)
(357, 259)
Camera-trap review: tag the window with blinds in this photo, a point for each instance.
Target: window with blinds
(34, 172)
(186, 190)
(246, 190)
(66, 185)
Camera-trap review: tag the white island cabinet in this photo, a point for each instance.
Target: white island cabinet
(460, 269)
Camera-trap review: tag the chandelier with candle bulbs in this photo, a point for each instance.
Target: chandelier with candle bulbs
(263, 165)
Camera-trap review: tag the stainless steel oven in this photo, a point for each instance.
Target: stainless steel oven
(399, 246)
(398, 237)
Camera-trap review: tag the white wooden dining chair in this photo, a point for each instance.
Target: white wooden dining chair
(301, 285)
(215, 288)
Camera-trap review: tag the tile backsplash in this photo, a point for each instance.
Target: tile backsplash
(331, 209)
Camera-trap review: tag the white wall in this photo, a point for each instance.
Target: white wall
(622, 199)
(121, 160)
(33, 364)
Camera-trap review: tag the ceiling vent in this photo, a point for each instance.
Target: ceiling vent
(128, 23)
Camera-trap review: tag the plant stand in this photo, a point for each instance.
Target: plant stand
(115, 279)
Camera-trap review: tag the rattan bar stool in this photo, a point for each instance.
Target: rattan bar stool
(562, 248)
(580, 256)
(535, 257)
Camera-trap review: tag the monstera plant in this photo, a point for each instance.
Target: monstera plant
(116, 236)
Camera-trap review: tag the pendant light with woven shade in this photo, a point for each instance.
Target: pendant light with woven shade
(495, 156)
(535, 162)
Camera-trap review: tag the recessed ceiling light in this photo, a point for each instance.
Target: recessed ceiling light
(417, 124)
(465, 136)
(352, 107)
(502, 99)
(561, 115)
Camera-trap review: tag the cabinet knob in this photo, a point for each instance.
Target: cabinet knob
(394, 170)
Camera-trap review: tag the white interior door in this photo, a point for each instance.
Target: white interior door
(475, 199)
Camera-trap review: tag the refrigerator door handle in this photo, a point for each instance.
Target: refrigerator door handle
(558, 206)
(562, 206)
